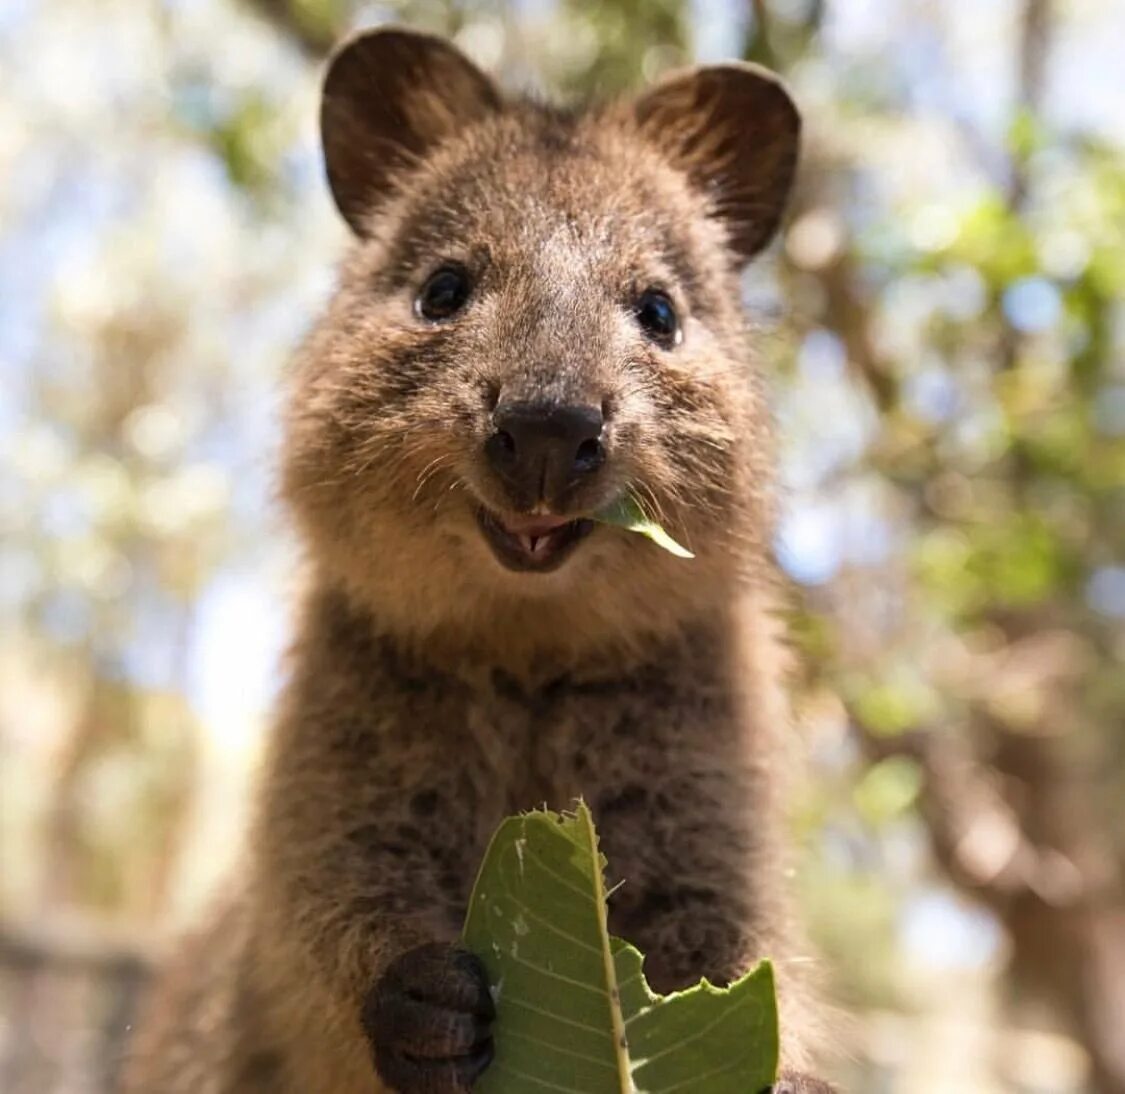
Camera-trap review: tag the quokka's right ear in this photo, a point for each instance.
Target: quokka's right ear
(735, 132)
(390, 96)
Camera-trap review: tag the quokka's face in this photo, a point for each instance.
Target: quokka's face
(541, 317)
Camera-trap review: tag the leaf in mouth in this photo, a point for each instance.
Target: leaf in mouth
(626, 512)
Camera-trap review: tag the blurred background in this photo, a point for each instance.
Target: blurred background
(943, 326)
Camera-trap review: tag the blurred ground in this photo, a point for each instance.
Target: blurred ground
(943, 328)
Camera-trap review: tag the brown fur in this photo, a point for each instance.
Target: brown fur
(431, 691)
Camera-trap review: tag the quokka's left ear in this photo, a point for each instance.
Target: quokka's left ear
(734, 130)
(390, 97)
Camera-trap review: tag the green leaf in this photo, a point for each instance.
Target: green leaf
(888, 789)
(627, 513)
(574, 1013)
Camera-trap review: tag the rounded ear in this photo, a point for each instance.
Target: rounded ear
(734, 130)
(390, 96)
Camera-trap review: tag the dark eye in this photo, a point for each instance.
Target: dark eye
(657, 317)
(443, 295)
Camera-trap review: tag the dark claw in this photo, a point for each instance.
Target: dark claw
(428, 1020)
(410, 1075)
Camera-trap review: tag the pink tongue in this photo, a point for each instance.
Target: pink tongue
(533, 544)
(533, 526)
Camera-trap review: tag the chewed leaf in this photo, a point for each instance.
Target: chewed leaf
(573, 1011)
(627, 513)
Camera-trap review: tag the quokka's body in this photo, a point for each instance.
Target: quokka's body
(541, 312)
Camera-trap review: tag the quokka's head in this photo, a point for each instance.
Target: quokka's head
(540, 315)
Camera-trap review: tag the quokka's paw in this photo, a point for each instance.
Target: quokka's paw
(789, 1082)
(429, 1021)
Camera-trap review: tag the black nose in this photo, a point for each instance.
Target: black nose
(543, 449)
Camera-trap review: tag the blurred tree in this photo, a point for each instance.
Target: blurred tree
(996, 675)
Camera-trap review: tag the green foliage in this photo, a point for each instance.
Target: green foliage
(898, 700)
(888, 789)
(628, 42)
(573, 1009)
(237, 139)
(628, 513)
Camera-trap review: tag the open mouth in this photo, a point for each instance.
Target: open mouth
(537, 544)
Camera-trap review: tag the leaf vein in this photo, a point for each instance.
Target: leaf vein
(586, 896)
(551, 974)
(728, 1065)
(560, 931)
(517, 1035)
(702, 1030)
(525, 1078)
(514, 1002)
